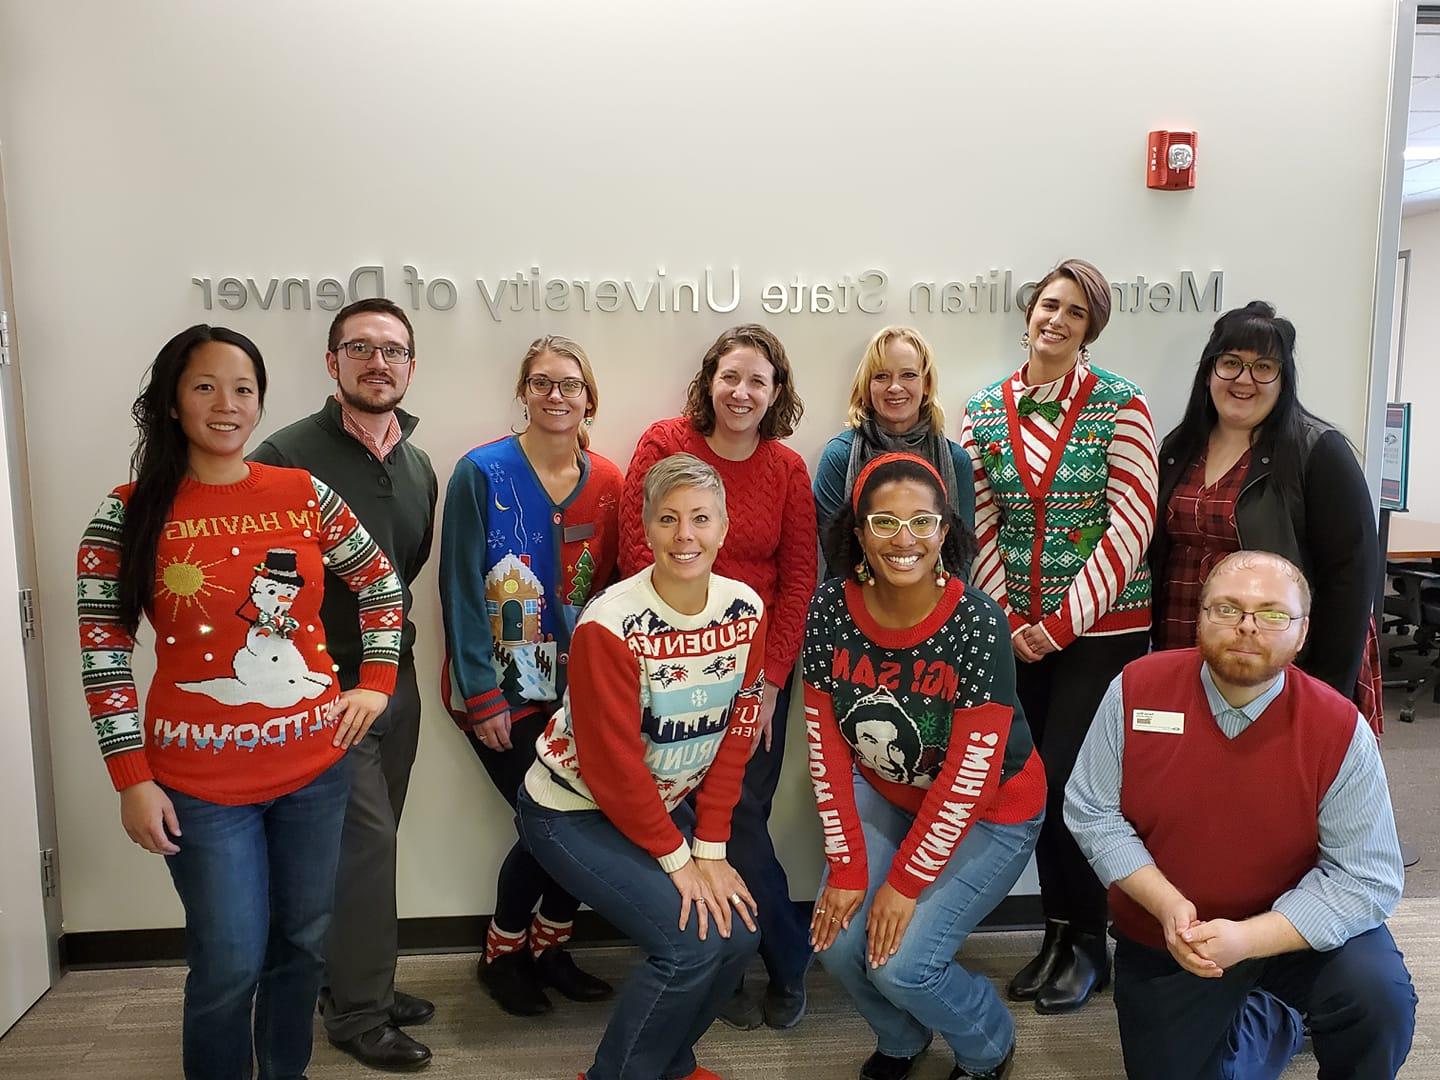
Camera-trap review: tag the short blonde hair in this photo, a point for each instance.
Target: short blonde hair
(1245, 559)
(677, 471)
(569, 350)
(861, 408)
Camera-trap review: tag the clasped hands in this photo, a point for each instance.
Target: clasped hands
(1207, 948)
(1031, 643)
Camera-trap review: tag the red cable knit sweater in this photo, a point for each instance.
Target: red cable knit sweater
(771, 542)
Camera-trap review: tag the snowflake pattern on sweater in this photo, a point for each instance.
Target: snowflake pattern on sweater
(659, 704)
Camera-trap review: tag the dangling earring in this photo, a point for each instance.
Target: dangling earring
(942, 578)
(1025, 340)
(525, 413)
(863, 572)
(1085, 353)
(589, 420)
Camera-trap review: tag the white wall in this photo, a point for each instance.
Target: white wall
(147, 143)
(1420, 373)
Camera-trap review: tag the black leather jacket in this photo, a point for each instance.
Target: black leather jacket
(1330, 535)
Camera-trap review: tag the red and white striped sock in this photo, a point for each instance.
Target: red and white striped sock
(545, 934)
(500, 943)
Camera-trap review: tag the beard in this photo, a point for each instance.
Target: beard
(387, 399)
(1240, 670)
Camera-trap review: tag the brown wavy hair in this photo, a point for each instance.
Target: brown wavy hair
(783, 415)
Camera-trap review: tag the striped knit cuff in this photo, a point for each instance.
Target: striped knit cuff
(483, 707)
(128, 769)
(675, 860)
(1058, 629)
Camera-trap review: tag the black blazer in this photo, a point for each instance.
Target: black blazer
(1330, 535)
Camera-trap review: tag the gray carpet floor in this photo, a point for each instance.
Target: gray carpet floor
(124, 1024)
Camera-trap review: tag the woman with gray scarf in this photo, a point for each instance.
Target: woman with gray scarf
(894, 407)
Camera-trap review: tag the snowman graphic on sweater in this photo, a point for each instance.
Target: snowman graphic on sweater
(269, 669)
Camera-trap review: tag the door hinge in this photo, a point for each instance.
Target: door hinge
(49, 879)
(27, 613)
(4, 337)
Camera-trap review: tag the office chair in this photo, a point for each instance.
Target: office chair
(1414, 609)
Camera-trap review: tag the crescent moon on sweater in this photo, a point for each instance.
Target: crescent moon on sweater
(499, 505)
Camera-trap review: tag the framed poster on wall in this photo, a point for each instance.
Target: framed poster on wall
(1395, 457)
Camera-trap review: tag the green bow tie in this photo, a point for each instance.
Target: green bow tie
(1050, 410)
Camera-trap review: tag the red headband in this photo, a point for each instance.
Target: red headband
(886, 459)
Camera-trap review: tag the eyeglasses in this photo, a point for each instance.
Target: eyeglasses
(398, 355)
(921, 526)
(1264, 369)
(540, 386)
(1230, 615)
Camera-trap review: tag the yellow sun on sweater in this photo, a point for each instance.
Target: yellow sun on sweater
(185, 581)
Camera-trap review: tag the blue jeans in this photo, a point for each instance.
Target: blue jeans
(923, 988)
(258, 883)
(784, 930)
(676, 992)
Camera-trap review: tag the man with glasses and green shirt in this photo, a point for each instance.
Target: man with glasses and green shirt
(1238, 811)
(359, 444)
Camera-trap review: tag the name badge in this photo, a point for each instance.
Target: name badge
(579, 532)
(1171, 723)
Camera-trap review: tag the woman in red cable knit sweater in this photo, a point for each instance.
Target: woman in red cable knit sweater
(741, 404)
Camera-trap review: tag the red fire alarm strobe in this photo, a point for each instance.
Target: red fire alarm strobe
(1171, 160)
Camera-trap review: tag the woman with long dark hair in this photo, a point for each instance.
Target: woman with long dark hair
(529, 536)
(237, 774)
(1248, 466)
(1064, 458)
(929, 789)
(741, 406)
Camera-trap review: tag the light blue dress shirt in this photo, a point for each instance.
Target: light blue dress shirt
(1359, 876)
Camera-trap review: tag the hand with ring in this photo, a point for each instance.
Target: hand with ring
(494, 733)
(730, 892)
(833, 912)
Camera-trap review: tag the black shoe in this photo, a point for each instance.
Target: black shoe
(880, 1066)
(783, 1007)
(1084, 969)
(385, 1047)
(997, 1073)
(742, 1011)
(409, 1010)
(514, 983)
(1030, 978)
(556, 967)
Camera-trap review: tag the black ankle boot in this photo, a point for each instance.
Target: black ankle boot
(1084, 969)
(514, 983)
(880, 1066)
(557, 968)
(999, 1072)
(1029, 979)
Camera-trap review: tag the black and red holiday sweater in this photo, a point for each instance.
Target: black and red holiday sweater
(929, 717)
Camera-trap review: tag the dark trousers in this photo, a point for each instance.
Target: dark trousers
(784, 933)
(1244, 1025)
(522, 882)
(360, 951)
(1060, 694)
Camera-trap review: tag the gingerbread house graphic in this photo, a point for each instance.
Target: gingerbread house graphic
(514, 598)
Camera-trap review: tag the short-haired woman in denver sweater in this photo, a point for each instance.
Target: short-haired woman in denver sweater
(666, 672)
(929, 789)
(529, 536)
(237, 774)
(741, 405)
(1065, 478)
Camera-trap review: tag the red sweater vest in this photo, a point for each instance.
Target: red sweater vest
(1231, 822)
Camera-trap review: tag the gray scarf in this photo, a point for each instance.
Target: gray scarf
(871, 440)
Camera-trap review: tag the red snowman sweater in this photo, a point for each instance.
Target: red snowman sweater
(239, 709)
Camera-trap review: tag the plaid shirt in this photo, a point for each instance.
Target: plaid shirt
(382, 449)
(1201, 523)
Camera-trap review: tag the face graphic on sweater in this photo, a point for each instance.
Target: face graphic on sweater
(269, 669)
(884, 737)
